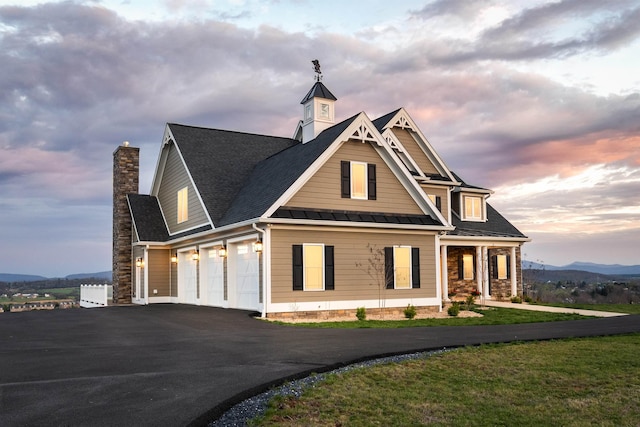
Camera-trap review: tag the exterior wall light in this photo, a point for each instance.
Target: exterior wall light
(174, 258)
(257, 246)
(195, 256)
(139, 262)
(222, 252)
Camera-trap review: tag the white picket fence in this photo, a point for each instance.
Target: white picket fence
(92, 296)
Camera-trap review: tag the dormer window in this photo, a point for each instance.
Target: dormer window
(358, 180)
(472, 208)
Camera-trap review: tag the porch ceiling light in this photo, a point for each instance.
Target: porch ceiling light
(222, 252)
(257, 246)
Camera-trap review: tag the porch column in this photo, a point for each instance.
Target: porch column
(485, 272)
(444, 271)
(479, 266)
(514, 273)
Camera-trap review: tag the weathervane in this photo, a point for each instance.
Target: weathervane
(316, 68)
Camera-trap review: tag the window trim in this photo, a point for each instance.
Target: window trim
(183, 205)
(299, 270)
(476, 216)
(390, 267)
(346, 180)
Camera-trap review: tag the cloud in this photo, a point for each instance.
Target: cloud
(78, 79)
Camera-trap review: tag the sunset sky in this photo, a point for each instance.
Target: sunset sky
(537, 100)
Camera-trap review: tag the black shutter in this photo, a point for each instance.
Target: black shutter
(461, 267)
(371, 181)
(474, 276)
(508, 266)
(415, 268)
(388, 267)
(439, 203)
(345, 178)
(298, 281)
(328, 269)
(494, 267)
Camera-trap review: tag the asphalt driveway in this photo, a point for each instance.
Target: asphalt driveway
(172, 365)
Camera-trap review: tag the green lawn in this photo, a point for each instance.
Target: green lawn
(491, 316)
(577, 382)
(618, 308)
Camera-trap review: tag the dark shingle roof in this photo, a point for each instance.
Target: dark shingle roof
(495, 226)
(318, 91)
(147, 218)
(465, 185)
(376, 217)
(220, 161)
(380, 122)
(274, 175)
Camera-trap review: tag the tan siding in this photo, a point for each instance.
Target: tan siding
(439, 191)
(351, 282)
(322, 191)
(175, 178)
(411, 146)
(159, 271)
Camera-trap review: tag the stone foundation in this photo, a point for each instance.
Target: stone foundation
(350, 314)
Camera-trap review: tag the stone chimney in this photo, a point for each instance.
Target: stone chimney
(125, 181)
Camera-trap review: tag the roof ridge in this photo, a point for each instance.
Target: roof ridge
(231, 131)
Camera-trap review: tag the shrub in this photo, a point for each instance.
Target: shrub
(528, 299)
(516, 300)
(471, 299)
(361, 313)
(454, 309)
(410, 312)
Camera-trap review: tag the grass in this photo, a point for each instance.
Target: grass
(575, 382)
(616, 308)
(491, 316)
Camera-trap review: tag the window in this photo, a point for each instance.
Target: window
(501, 266)
(358, 180)
(307, 111)
(436, 200)
(402, 267)
(324, 111)
(473, 207)
(468, 262)
(313, 268)
(183, 205)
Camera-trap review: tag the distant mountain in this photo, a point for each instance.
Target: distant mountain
(609, 269)
(6, 277)
(101, 275)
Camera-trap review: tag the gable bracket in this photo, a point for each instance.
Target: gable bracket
(364, 134)
(403, 123)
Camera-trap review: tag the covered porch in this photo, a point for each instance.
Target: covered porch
(484, 269)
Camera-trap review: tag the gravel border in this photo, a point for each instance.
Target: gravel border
(255, 406)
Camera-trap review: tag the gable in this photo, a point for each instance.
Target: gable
(411, 146)
(323, 189)
(174, 179)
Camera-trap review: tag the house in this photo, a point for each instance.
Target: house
(346, 214)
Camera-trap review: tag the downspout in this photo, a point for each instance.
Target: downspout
(264, 269)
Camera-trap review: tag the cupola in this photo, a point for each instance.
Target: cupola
(318, 108)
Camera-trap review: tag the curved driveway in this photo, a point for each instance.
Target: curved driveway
(172, 365)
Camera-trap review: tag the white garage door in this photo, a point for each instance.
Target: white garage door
(247, 277)
(187, 278)
(214, 277)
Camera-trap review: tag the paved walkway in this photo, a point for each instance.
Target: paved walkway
(172, 365)
(533, 307)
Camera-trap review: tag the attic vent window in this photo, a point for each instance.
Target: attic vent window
(183, 205)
